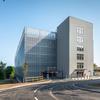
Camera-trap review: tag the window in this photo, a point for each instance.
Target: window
(79, 39)
(80, 48)
(80, 65)
(79, 30)
(80, 56)
(51, 36)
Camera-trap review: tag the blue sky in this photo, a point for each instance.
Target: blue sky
(43, 14)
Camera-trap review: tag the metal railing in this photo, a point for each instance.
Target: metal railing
(33, 79)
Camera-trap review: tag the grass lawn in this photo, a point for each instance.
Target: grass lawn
(96, 85)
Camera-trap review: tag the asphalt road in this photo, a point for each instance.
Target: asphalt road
(50, 91)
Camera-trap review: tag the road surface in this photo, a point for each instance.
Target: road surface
(51, 91)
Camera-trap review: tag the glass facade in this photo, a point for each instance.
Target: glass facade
(38, 51)
(20, 57)
(69, 54)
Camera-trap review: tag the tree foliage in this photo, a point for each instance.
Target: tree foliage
(25, 68)
(2, 70)
(94, 65)
(10, 72)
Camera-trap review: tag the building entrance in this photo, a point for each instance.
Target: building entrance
(80, 74)
(49, 75)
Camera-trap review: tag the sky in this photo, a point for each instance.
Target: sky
(43, 14)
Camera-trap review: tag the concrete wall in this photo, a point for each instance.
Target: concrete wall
(67, 46)
(63, 49)
(87, 43)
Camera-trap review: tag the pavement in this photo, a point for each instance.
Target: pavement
(88, 89)
(54, 90)
(87, 86)
(63, 91)
(4, 87)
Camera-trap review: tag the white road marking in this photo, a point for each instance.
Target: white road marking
(38, 88)
(35, 90)
(35, 98)
(53, 95)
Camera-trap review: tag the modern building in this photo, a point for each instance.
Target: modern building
(62, 54)
(36, 53)
(75, 48)
(96, 70)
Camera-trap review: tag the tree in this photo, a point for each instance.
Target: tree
(94, 65)
(25, 68)
(10, 72)
(2, 70)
